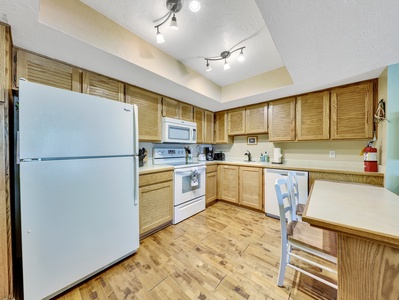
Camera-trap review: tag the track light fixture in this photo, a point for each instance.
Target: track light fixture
(224, 55)
(174, 6)
(208, 67)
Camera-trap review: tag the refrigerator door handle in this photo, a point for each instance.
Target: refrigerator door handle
(135, 130)
(18, 146)
(136, 180)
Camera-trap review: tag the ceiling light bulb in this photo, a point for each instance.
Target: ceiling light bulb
(226, 65)
(160, 38)
(208, 67)
(173, 23)
(195, 5)
(241, 56)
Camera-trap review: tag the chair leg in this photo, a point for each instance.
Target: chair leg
(283, 264)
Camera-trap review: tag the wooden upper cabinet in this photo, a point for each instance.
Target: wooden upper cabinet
(256, 118)
(352, 111)
(221, 136)
(199, 118)
(313, 116)
(209, 121)
(236, 121)
(282, 120)
(101, 86)
(186, 112)
(45, 71)
(149, 110)
(170, 108)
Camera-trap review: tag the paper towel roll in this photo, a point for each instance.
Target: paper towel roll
(277, 155)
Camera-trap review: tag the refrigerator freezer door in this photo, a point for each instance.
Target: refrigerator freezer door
(55, 124)
(78, 217)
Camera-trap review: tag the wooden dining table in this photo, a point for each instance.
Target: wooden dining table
(366, 220)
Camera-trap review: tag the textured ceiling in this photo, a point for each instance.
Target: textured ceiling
(321, 44)
(218, 26)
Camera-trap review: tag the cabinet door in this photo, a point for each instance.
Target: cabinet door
(199, 118)
(186, 112)
(221, 136)
(251, 187)
(236, 121)
(209, 120)
(170, 108)
(228, 183)
(101, 86)
(256, 118)
(282, 120)
(149, 107)
(6, 259)
(352, 111)
(46, 71)
(156, 205)
(313, 116)
(211, 187)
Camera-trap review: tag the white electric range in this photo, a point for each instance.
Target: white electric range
(189, 182)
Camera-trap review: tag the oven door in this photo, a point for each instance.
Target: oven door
(189, 184)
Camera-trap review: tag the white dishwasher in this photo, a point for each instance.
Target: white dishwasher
(271, 175)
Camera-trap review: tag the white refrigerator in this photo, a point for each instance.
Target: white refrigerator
(78, 186)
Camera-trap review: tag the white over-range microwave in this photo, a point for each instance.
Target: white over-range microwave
(178, 131)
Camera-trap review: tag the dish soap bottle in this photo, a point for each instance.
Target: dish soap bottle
(266, 157)
(262, 158)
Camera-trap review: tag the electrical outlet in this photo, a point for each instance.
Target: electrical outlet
(332, 154)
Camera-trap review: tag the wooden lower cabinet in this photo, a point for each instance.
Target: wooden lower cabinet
(251, 188)
(241, 185)
(156, 201)
(228, 183)
(211, 184)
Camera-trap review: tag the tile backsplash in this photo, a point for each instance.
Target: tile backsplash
(346, 151)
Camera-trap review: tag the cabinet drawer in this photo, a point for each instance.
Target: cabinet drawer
(155, 178)
(212, 168)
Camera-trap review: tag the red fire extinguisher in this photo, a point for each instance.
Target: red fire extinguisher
(370, 158)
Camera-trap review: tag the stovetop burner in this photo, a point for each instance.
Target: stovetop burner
(172, 157)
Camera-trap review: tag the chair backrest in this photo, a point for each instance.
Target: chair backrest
(294, 187)
(285, 205)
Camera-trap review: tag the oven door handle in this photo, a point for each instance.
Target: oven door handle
(189, 170)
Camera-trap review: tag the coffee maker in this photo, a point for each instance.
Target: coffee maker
(209, 153)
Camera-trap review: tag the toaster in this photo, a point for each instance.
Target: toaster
(218, 156)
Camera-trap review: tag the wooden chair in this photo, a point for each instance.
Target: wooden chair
(300, 235)
(299, 207)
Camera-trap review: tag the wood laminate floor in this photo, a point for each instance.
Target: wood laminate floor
(224, 252)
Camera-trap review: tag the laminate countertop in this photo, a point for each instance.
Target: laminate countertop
(360, 210)
(313, 166)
